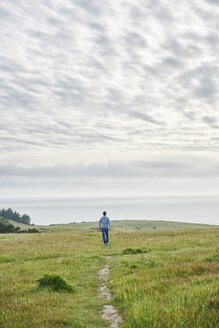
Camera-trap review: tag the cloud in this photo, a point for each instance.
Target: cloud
(213, 2)
(111, 169)
(212, 121)
(87, 74)
(145, 117)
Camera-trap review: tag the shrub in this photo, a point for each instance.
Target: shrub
(34, 230)
(55, 283)
(6, 227)
(134, 250)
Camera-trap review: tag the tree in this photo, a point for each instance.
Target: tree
(25, 219)
(15, 216)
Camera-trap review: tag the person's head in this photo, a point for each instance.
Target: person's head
(104, 213)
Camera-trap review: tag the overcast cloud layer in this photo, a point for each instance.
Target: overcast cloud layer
(114, 77)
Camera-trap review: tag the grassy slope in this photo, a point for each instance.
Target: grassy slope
(21, 225)
(172, 285)
(4, 221)
(127, 225)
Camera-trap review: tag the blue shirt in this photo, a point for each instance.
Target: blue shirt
(104, 222)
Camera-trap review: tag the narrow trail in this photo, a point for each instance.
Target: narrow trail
(109, 313)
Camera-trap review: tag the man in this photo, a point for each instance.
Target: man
(104, 225)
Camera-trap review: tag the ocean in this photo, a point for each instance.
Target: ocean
(44, 211)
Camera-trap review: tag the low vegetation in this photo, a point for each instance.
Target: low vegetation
(125, 225)
(134, 250)
(55, 283)
(173, 285)
(157, 278)
(7, 227)
(26, 258)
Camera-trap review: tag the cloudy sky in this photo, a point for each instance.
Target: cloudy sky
(109, 99)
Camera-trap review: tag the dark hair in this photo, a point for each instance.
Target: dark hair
(104, 213)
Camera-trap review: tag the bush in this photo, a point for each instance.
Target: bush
(6, 227)
(134, 250)
(55, 283)
(34, 230)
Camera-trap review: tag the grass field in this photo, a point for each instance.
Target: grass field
(158, 278)
(121, 225)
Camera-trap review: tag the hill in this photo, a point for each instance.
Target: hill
(125, 225)
(20, 225)
(6, 226)
(9, 226)
(116, 225)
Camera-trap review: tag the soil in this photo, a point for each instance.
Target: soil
(109, 313)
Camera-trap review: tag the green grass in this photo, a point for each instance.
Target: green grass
(134, 250)
(158, 278)
(74, 257)
(123, 225)
(22, 226)
(174, 285)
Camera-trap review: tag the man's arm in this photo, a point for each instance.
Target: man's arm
(109, 225)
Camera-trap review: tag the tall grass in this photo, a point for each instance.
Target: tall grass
(174, 285)
(25, 259)
(158, 279)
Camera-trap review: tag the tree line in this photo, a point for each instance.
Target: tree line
(15, 216)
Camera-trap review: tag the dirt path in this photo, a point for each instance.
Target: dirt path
(109, 313)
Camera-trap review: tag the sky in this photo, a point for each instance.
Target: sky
(109, 100)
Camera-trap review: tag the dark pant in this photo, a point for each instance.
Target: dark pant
(105, 235)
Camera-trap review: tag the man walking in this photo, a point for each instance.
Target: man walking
(104, 225)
